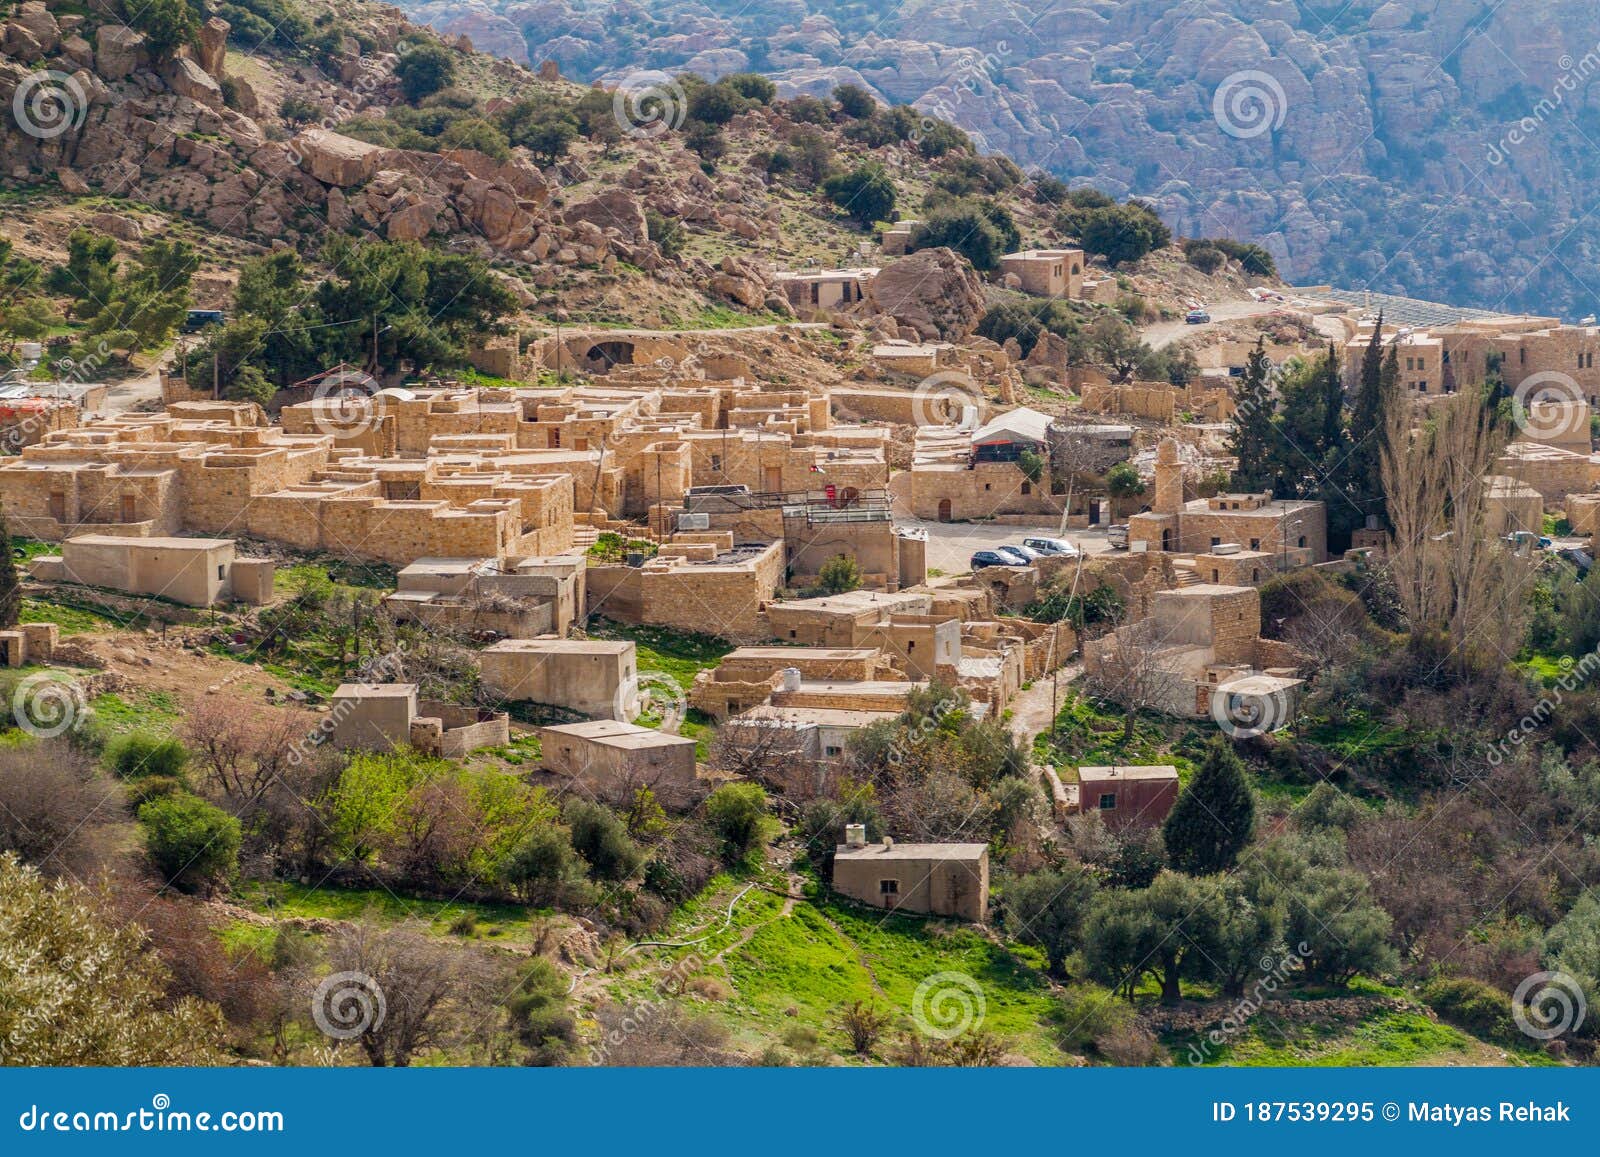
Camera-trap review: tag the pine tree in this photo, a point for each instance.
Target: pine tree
(1253, 436)
(10, 588)
(1214, 817)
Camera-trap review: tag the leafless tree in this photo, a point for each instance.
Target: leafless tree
(767, 753)
(1450, 571)
(55, 809)
(433, 994)
(1134, 671)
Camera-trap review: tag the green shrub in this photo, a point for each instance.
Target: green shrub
(140, 754)
(839, 574)
(191, 842)
(1472, 1004)
(737, 813)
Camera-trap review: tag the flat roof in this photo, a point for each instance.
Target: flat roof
(616, 733)
(162, 543)
(1119, 771)
(970, 853)
(562, 646)
(375, 690)
(821, 716)
(800, 653)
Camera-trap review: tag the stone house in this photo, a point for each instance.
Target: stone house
(1045, 272)
(383, 716)
(1126, 795)
(931, 879)
(197, 572)
(595, 677)
(611, 757)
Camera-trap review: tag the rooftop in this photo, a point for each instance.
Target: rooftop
(615, 733)
(968, 853)
(1151, 771)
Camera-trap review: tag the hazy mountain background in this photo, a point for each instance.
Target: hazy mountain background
(1406, 148)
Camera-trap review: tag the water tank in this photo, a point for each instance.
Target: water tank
(855, 835)
(31, 351)
(791, 678)
(694, 522)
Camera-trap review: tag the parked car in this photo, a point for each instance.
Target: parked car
(1117, 536)
(1197, 317)
(198, 319)
(1027, 552)
(983, 558)
(1050, 545)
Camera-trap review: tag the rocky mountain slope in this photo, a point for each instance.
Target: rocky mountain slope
(1430, 147)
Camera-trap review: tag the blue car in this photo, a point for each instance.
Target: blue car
(985, 558)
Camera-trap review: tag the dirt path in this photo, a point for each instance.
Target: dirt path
(1031, 709)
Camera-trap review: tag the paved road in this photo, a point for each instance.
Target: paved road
(1166, 332)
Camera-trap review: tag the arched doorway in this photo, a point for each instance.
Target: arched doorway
(944, 510)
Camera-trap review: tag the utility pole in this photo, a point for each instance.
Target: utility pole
(216, 371)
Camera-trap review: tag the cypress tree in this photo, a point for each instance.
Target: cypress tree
(1214, 817)
(1252, 437)
(10, 588)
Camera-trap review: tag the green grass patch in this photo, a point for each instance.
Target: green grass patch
(1387, 1037)
(73, 620)
(157, 712)
(283, 899)
(680, 654)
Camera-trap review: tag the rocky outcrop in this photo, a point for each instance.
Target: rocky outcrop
(213, 47)
(119, 51)
(1384, 148)
(933, 291)
(335, 159)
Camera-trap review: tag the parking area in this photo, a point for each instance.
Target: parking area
(950, 544)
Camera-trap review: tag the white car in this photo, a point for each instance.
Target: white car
(1050, 546)
(1026, 553)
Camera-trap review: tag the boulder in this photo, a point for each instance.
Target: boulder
(71, 182)
(334, 159)
(188, 79)
(116, 225)
(79, 51)
(20, 44)
(213, 48)
(36, 18)
(412, 223)
(933, 291)
(119, 51)
(613, 209)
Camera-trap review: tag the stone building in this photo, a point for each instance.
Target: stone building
(1126, 795)
(1045, 272)
(383, 716)
(931, 879)
(610, 757)
(595, 677)
(818, 290)
(1293, 531)
(958, 475)
(197, 572)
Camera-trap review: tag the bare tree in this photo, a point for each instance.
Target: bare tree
(1450, 571)
(55, 808)
(1134, 670)
(411, 993)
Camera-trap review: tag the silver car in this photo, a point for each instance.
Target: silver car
(1050, 545)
